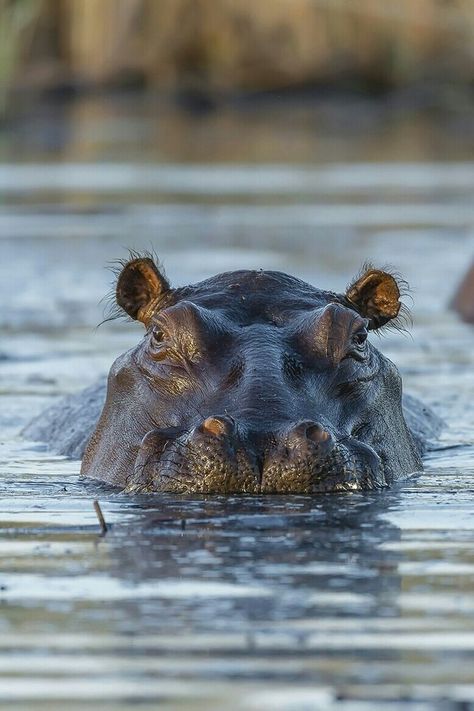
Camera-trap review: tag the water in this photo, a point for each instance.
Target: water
(359, 601)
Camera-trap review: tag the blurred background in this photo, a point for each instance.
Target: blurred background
(264, 133)
(302, 135)
(214, 47)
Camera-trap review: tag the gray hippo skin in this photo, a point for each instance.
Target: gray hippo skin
(248, 382)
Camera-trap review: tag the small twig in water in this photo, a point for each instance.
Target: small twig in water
(100, 516)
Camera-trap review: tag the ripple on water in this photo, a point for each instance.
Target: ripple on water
(363, 601)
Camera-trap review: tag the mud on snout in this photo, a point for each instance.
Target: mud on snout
(217, 457)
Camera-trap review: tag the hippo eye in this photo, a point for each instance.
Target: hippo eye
(156, 336)
(360, 337)
(164, 350)
(157, 339)
(157, 342)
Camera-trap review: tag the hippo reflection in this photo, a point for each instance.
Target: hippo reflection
(253, 382)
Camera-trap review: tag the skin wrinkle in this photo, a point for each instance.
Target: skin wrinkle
(272, 353)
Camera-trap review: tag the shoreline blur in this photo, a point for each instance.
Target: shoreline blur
(204, 53)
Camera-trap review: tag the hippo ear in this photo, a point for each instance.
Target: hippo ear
(376, 296)
(139, 288)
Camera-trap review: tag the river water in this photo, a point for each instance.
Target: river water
(355, 601)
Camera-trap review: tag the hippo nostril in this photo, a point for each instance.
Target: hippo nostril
(305, 431)
(317, 434)
(217, 426)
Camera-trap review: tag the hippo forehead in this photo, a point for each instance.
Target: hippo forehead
(248, 297)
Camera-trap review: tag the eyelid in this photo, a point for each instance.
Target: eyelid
(160, 324)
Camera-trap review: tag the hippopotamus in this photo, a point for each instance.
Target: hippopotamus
(248, 382)
(463, 299)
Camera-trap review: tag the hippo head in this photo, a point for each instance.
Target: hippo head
(252, 382)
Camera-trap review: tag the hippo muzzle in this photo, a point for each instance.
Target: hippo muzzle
(255, 383)
(219, 457)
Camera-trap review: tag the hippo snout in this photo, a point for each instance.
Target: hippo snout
(220, 455)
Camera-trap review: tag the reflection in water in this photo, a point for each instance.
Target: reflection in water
(266, 602)
(143, 129)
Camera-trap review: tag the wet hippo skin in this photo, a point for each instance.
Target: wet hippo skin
(248, 382)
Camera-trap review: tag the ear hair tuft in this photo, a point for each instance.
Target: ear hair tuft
(140, 284)
(376, 294)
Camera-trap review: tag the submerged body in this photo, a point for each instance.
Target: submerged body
(252, 382)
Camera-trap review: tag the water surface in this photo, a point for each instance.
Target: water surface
(357, 601)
